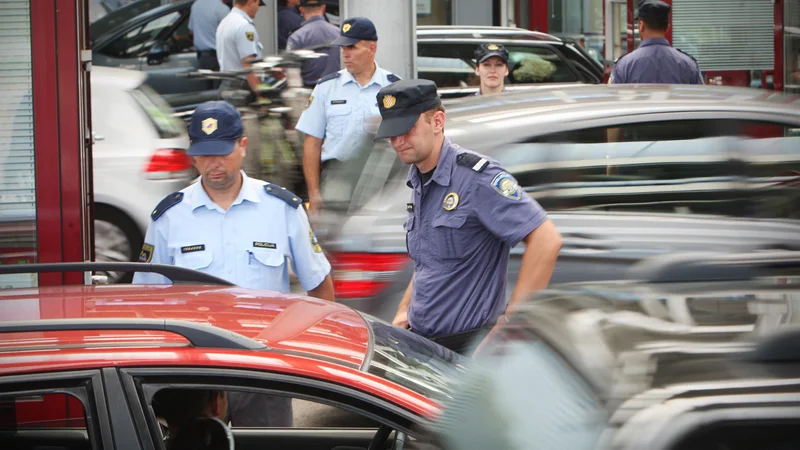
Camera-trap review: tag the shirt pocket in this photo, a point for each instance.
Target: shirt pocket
(194, 260)
(450, 236)
(337, 117)
(265, 269)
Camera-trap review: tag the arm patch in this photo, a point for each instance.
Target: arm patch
(329, 77)
(474, 162)
(281, 193)
(168, 202)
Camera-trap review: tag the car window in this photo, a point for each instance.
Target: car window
(446, 71)
(537, 65)
(137, 42)
(158, 111)
(728, 167)
(29, 421)
(120, 16)
(180, 40)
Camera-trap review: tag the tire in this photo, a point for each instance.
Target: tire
(116, 239)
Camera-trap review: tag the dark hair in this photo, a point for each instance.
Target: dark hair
(180, 406)
(241, 2)
(657, 23)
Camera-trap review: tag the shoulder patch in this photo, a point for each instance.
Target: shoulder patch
(392, 77)
(168, 202)
(280, 192)
(474, 162)
(329, 77)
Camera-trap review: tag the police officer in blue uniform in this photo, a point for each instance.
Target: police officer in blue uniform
(492, 68)
(465, 215)
(203, 21)
(289, 21)
(342, 107)
(655, 61)
(236, 228)
(316, 32)
(237, 40)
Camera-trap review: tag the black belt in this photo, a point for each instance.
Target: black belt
(206, 52)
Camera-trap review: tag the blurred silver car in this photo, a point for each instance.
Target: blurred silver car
(625, 172)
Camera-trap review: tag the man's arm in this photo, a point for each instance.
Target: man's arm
(252, 79)
(312, 154)
(324, 290)
(538, 261)
(401, 318)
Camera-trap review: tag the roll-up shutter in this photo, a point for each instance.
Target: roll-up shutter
(725, 34)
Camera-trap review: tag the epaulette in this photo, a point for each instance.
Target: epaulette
(168, 202)
(392, 77)
(690, 56)
(281, 192)
(329, 77)
(474, 162)
(620, 58)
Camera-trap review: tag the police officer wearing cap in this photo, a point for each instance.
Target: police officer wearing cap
(289, 21)
(342, 106)
(465, 215)
(316, 32)
(204, 19)
(237, 39)
(655, 61)
(236, 228)
(492, 68)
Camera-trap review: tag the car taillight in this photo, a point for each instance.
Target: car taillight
(359, 275)
(168, 164)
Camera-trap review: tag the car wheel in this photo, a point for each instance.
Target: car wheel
(116, 239)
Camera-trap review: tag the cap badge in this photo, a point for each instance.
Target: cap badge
(492, 47)
(389, 101)
(450, 201)
(209, 125)
(346, 28)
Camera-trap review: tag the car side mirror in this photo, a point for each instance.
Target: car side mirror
(158, 53)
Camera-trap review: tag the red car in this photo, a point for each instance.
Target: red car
(79, 365)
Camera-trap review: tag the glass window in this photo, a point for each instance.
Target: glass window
(42, 411)
(434, 12)
(537, 65)
(158, 111)
(180, 41)
(137, 42)
(743, 435)
(120, 16)
(791, 48)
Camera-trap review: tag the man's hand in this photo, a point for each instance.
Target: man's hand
(314, 203)
(401, 320)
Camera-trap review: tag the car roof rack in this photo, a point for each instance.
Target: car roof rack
(200, 335)
(716, 267)
(178, 275)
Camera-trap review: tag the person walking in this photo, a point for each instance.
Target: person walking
(237, 40)
(204, 19)
(316, 32)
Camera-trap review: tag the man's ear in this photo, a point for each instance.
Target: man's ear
(438, 121)
(243, 145)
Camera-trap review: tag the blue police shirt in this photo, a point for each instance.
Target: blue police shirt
(338, 112)
(655, 61)
(461, 227)
(247, 245)
(289, 20)
(203, 21)
(237, 39)
(316, 31)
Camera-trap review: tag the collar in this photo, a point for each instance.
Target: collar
(379, 78)
(249, 192)
(653, 41)
(444, 168)
(241, 13)
(315, 19)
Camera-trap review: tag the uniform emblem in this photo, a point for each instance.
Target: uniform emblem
(506, 185)
(251, 36)
(310, 99)
(492, 47)
(146, 254)
(314, 242)
(209, 125)
(346, 28)
(410, 207)
(450, 201)
(389, 101)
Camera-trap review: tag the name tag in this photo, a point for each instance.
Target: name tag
(338, 102)
(269, 245)
(410, 207)
(193, 248)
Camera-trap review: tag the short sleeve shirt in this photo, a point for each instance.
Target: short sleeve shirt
(205, 17)
(339, 111)
(251, 244)
(237, 39)
(461, 227)
(655, 61)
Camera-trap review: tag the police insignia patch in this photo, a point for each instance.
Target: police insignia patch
(251, 36)
(146, 254)
(310, 99)
(314, 242)
(209, 125)
(506, 185)
(450, 201)
(492, 47)
(346, 28)
(389, 101)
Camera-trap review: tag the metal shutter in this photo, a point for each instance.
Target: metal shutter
(17, 187)
(725, 34)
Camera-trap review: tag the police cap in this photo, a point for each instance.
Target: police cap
(652, 9)
(311, 3)
(486, 51)
(356, 29)
(401, 104)
(215, 127)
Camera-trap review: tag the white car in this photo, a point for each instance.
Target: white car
(139, 157)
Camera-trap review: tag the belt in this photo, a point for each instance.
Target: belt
(206, 52)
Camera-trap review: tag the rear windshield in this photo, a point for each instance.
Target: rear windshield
(413, 361)
(116, 18)
(158, 111)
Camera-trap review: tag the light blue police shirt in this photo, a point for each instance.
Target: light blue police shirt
(248, 244)
(338, 111)
(205, 17)
(237, 39)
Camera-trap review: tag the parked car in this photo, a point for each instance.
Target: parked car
(139, 157)
(699, 353)
(80, 365)
(624, 172)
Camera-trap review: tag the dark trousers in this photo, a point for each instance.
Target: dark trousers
(465, 342)
(208, 60)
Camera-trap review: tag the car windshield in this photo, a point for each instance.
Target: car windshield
(413, 361)
(158, 111)
(120, 16)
